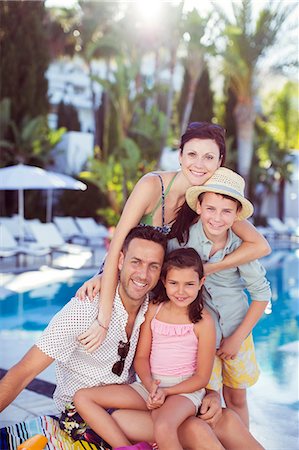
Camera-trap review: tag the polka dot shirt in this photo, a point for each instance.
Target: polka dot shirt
(75, 367)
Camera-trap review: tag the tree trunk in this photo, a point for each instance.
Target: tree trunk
(280, 199)
(190, 98)
(245, 116)
(170, 95)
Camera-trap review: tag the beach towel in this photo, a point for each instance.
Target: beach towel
(13, 435)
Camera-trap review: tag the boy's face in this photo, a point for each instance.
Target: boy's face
(217, 214)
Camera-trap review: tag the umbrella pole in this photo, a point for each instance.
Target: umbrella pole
(49, 205)
(21, 215)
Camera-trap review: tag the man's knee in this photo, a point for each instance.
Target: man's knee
(228, 422)
(195, 433)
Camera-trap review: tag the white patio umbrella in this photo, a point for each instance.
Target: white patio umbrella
(21, 177)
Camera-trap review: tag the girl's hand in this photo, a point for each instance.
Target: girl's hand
(95, 335)
(157, 400)
(89, 289)
(229, 347)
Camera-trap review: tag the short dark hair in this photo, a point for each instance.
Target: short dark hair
(228, 197)
(205, 130)
(183, 258)
(146, 232)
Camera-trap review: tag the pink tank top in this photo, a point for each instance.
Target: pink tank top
(174, 348)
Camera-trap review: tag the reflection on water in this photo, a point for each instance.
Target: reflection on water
(276, 335)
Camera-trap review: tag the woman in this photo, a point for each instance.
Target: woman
(155, 200)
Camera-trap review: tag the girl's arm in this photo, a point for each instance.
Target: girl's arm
(142, 355)
(138, 204)
(205, 331)
(254, 246)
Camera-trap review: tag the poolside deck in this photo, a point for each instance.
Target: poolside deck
(273, 422)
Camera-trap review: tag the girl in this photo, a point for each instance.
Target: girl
(155, 200)
(174, 360)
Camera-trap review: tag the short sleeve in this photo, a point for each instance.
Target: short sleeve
(60, 339)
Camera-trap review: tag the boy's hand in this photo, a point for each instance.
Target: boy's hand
(211, 410)
(229, 347)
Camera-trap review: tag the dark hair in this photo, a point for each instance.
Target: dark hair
(146, 232)
(228, 197)
(205, 130)
(182, 223)
(183, 258)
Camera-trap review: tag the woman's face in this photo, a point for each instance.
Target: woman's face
(199, 160)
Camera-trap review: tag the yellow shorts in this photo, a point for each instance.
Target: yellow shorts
(239, 373)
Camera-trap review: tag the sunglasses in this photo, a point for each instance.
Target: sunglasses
(123, 350)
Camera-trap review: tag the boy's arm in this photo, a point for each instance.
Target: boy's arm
(20, 375)
(231, 345)
(254, 246)
(253, 276)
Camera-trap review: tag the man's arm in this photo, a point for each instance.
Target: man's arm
(211, 410)
(20, 375)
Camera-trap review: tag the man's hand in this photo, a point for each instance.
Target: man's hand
(89, 289)
(229, 347)
(211, 410)
(94, 336)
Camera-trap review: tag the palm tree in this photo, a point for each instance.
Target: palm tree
(195, 59)
(248, 38)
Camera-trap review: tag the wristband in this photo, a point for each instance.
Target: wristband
(101, 325)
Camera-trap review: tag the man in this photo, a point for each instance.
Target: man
(139, 264)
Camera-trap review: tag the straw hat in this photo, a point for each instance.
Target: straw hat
(225, 182)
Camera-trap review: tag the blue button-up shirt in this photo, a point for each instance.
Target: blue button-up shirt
(224, 291)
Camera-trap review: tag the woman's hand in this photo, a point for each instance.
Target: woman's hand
(90, 288)
(95, 335)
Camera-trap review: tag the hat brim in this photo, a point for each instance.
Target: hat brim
(194, 191)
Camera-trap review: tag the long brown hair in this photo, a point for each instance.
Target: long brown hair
(183, 258)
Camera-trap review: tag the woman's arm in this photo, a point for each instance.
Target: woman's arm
(206, 333)
(138, 204)
(254, 246)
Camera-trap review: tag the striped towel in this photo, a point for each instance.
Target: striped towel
(14, 435)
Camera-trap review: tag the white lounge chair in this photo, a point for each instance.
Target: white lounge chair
(69, 229)
(48, 234)
(94, 232)
(10, 247)
(280, 229)
(293, 225)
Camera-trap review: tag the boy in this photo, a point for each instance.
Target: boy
(220, 202)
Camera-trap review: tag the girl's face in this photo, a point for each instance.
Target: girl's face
(199, 160)
(182, 285)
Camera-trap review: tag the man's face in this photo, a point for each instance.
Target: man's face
(217, 214)
(140, 269)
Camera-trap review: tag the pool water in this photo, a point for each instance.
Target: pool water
(32, 310)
